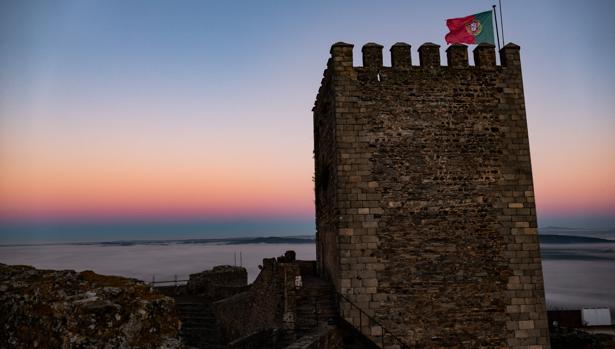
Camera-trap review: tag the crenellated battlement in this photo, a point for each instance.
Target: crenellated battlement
(429, 56)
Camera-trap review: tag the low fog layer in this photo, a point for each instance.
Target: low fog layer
(144, 261)
(576, 275)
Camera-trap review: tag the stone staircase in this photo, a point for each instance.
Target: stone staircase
(316, 304)
(353, 339)
(316, 308)
(199, 327)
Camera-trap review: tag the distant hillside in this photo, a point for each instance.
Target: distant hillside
(273, 240)
(570, 239)
(601, 233)
(299, 239)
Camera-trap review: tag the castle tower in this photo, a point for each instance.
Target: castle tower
(424, 198)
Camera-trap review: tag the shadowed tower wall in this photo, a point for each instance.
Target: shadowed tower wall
(424, 197)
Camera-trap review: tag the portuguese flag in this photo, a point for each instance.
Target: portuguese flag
(474, 29)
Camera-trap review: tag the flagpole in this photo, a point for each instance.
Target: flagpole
(497, 32)
(502, 22)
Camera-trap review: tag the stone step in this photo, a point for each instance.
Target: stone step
(317, 300)
(316, 293)
(199, 323)
(323, 296)
(208, 326)
(312, 318)
(194, 311)
(192, 305)
(198, 320)
(315, 283)
(202, 333)
(195, 306)
(309, 308)
(312, 299)
(190, 308)
(319, 289)
(194, 339)
(313, 323)
(202, 323)
(199, 327)
(197, 315)
(202, 315)
(205, 346)
(318, 305)
(311, 315)
(207, 321)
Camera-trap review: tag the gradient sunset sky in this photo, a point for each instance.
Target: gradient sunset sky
(201, 110)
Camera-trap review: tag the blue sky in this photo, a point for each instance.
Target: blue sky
(203, 108)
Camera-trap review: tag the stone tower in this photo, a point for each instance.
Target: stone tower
(424, 198)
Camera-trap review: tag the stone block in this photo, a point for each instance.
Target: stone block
(526, 325)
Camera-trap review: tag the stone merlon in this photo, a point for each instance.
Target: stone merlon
(429, 55)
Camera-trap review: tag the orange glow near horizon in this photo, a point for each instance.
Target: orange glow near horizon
(573, 168)
(577, 184)
(56, 180)
(126, 185)
(70, 179)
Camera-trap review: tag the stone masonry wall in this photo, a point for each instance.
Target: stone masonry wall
(425, 202)
(325, 176)
(268, 304)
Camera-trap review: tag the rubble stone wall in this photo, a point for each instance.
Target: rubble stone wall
(220, 282)
(268, 304)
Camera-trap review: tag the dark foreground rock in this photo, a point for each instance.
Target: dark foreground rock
(66, 309)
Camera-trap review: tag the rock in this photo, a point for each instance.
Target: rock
(66, 309)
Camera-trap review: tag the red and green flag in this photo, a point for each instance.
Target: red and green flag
(474, 29)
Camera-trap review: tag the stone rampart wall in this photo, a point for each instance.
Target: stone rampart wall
(269, 303)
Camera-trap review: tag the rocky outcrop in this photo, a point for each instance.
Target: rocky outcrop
(66, 309)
